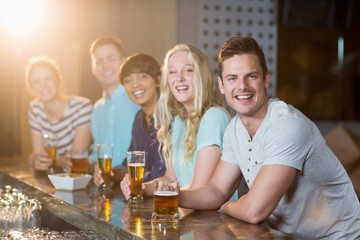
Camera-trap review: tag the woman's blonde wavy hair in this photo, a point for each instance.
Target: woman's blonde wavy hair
(207, 95)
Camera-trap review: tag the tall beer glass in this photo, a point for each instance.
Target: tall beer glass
(50, 148)
(105, 155)
(136, 167)
(166, 202)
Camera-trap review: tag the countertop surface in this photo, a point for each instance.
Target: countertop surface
(111, 215)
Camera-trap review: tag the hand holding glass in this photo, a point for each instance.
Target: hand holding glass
(136, 167)
(50, 148)
(105, 155)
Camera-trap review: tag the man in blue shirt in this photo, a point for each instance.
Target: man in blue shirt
(114, 113)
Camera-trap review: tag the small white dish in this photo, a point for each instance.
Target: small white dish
(69, 181)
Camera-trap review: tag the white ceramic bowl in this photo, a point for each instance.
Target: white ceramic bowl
(69, 181)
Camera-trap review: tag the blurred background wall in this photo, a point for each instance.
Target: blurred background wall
(64, 31)
(312, 48)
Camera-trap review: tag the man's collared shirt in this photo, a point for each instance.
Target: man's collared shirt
(111, 123)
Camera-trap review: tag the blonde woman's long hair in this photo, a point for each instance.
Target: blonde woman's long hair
(207, 95)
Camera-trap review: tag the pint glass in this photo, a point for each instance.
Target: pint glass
(136, 167)
(166, 202)
(79, 162)
(105, 155)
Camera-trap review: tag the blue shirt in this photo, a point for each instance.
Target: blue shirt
(210, 132)
(144, 139)
(111, 122)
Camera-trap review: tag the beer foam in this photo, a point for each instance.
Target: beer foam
(166, 193)
(136, 164)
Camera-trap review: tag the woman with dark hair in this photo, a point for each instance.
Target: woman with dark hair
(140, 76)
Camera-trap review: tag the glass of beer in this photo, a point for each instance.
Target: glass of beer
(105, 156)
(166, 202)
(50, 148)
(136, 167)
(79, 162)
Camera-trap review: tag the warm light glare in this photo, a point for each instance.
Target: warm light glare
(138, 225)
(21, 17)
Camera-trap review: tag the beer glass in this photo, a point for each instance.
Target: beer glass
(166, 202)
(105, 155)
(79, 162)
(136, 167)
(50, 148)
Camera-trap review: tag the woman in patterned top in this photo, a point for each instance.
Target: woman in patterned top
(55, 119)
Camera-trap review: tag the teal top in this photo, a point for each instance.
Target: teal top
(111, 122)
(211, 130)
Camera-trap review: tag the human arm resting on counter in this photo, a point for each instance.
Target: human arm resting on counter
(40, 159)
(82, 139)
(207, 159)
(221, 186)
(269, 186)
(80, 143)
(253, 207)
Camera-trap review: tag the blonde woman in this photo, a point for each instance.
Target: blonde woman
(64, 120)
(191, 120)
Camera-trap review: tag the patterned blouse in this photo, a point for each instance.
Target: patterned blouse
(61, 132)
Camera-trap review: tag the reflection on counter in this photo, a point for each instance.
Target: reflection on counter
(106, 209)
(166, 231)
(133, 218)
(79, 197)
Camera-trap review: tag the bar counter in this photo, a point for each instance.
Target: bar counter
(113, 217)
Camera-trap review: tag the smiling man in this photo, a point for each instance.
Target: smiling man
(114, 113)
(296, 183)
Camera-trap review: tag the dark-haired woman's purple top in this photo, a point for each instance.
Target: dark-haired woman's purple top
(144, 139)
